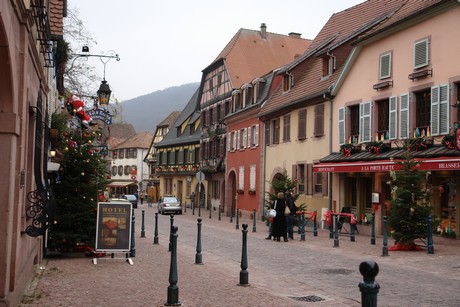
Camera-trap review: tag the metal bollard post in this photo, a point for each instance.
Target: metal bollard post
(132, 250)
(385, 237)
(430, 235)
(336, 231)
(302, 227)
(171, 219)
(254, 220)
(231, 217)
(219, 212)
(331, 228)
(373, 229)
(210, 210)
(352, 232)
(368, 287)
(237, 226)
(315, 226)
(244, 274)
(198, 256)
(173, 289)
(143, 225)
(199, 208)
(155, 237)
(193, 205)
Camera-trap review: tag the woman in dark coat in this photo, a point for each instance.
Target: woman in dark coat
(279, 222)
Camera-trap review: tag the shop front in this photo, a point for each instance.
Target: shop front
(360, 184)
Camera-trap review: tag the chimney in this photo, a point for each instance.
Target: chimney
(296, 35)
(263, 31)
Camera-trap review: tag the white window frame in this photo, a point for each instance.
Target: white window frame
(420, 59)
(385, 66)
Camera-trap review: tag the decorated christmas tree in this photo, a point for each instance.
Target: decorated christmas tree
(82, 175)
(410, 206)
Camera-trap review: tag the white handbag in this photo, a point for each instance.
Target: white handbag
(272, 212)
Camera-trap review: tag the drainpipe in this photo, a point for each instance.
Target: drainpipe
(329, 205)
(262, 177)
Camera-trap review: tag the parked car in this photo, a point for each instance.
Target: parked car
(169, 204)
(132, 199)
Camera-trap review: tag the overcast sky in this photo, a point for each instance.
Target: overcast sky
(168, 43)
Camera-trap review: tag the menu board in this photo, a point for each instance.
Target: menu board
(113, 229)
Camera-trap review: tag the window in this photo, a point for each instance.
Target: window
(299, 171)
(114, 154)
(288, 82)
(215, 189)
(232, 141)
(121, 153)
(242, 138)
(236, 100)
(192, 128)
(218, 115)
(328, 65)
(423, 110)
(241, 178)
(197, 155)
(134, 152)
(421, 53)
(120, 170)
(302, 129)
(127, 170)
(385, 66)
(114, 170)
(185, 156)
(211, 113)
(273, 131)
(383, 118)
(287, 128)
(176, 158)
(319, 120)
(203, 118)
(247, 95)
(227, 107)
(252, 177)
(253, 136)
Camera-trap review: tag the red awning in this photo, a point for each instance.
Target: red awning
(434, 164)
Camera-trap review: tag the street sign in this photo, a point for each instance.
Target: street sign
(200, 176)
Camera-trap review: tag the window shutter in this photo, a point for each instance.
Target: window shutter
(234, 140)
(250, 143)
(302, 129)
(309, 178)
(421, 53)
(165, 157)
(245, 139)
(341, 126)
(277, 131)
(241, 178)
(404, 116)
(267, 133)
(435, 110)
(319, 120)
(294, 175)
(238, 138)
(325, 178)
(385, 66)
(229, 137)
(393, 120)
(365, 121)
(444, 109)
(256, 135)
(252, 177)
(192, 153)
(173, 157)
(181, 157)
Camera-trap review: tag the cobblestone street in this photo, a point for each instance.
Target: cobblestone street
(280, 273)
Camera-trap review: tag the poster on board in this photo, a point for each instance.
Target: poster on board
(113, 229)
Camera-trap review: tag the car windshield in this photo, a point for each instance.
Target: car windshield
(170, 200)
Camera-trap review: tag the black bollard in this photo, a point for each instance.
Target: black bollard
(171, 219)
(302, 227)
(192, 203)
(352, 232)
(254, 220)
(237, 226)
(143, 225)
(335, 218)
(231, 217)
(210, 210)
(173, 289)
(373, 229)
(315, 226)
(368, 287)
(199, 209)
(331, 228)
(132, 250)
(430, 235)
(219, 212)
(385, 237)
(198, 256)
(155, 237)
(244, 274)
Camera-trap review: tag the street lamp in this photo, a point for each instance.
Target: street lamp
(103, 93)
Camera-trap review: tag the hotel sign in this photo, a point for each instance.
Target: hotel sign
(113, 229)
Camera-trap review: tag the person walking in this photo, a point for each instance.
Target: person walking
(290, 218)
(279, 228)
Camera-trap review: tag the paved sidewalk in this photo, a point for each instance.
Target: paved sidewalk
(274, 276)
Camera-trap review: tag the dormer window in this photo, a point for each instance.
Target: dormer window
(258, 85)
(247, 95)
(288, 82)
(328, 65)
(421, 53)
(236, 100)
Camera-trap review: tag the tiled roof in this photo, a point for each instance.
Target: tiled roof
(56, 14)
(139, 140)
(249, 55)
(395, 153)
(171, 118)
(336, 37)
